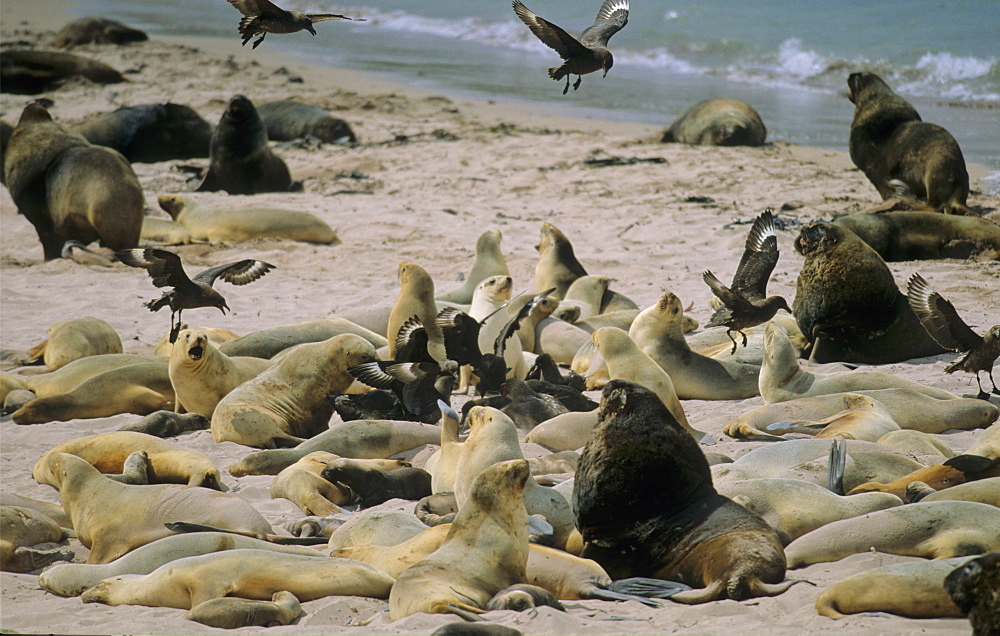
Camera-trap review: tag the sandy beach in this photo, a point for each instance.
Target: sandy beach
(429, 174)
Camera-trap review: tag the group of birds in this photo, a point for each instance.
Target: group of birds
(587, 54)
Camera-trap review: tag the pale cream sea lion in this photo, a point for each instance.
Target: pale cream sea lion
(561, 340)
(490, 295)
(863, 418)
(443, 465)
(75, 373)
(22, 528)
(376, 527)
(568, 431)
(489, 262)
(202, 375)
(71, 340)
(935, 530)
(50, 510)
(267, 343)
(987, 443)
(287, 403)
(217, 225)
(232, 613)
(163, 232)
(916, 443)
(623, 319)
(416, 298)
(586, 292)
(985, 491)
(396, 558)
(216, 336)
(302, 484)
(717, 122)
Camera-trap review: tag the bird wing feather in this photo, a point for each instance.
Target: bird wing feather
(164, 267)
(551, 35)
(320, 17)
(939, 318)
(373, 374)
(612, 17)
(238, 273)
(759, 259)
(732, 300)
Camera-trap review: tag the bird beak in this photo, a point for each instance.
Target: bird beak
(311, 30)
(223, 308)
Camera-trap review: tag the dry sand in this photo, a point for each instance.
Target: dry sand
(430, 174)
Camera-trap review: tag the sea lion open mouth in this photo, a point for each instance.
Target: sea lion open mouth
(196, 352)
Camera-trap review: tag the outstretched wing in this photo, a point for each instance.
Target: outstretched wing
(551, 35)
(164, 267)
(253, 8)
(374, 375)
(500, 344)
(320, 17)
(461, 335)
(939, 318)
(759, 259)
(733, 301)
(238, 273)
(612, 17)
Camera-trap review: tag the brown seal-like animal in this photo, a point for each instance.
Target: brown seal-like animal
(29, 71)
(92, 30)
(975, 589)
(848, 305)
(287, 120)
(70, 340)
(688, 532)
(489, 262)
(148, 133)
(889, 141)
(717, 122)
(916, 235)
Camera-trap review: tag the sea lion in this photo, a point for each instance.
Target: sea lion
(557, 265)
(568, 431)
(376, 527)
(951, 472)
(416, 298)
(444, 463)
(586, 292)
(985, 491)
(149, 133)
(918, 235)
(561, 340)
(29, 71)
(70, 340)
(490, 296)
(287, 403)
(240, 160)
(688, 532)
(372, 486)
(25, 527)
(79, 371)
(53, 511)
(915, 590)
(485, 551)
(232, 613)
(246, 223)
(935, 530)
(169, 463)
(201, 375)
(848, 305)
(92, 30)
(168, 424)
(489, 262)
(216, 336)
(112, 518)
(987, 443)
(163, 232)
(267, 343)
(916, 443)
(69, 189)
(302, 484)
(521, 597)
(889, 141)
(358, 439)
(973, 588)
(250, 574)
(863, 418)
(287, 120)
(717, 122)
(622, 319)
(657, 332)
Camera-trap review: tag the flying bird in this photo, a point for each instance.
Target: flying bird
(588, 54)
(746, 304)
(263, 17)
(189, 293)
(946, 327)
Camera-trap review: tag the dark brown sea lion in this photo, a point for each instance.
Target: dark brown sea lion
(717, 122)
(29, 72)
(889, 141)
(632, 526)
(287, 120)
(6, 130)
(916, 235)
(975, 589)
(148, 133)
(240, 161)
(373, 486)
(848, 305)
(96, 31)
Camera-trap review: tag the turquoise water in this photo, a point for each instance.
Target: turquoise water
(790, 60)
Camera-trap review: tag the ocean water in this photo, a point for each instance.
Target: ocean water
(788, 59)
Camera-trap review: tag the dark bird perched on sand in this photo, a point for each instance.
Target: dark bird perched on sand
(745, 304)
(418, 385)
(189, 293)
(946, 327)
(588, 54)
(263, 17)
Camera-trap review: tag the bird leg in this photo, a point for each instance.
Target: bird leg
(744, 338)
(175, 329)
(257, 43)
(996, 391)
(576, 84)
(566, 88)
(983, 395)
(729, 332)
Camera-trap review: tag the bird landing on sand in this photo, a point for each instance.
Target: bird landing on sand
(942, 322)
(263, 17)
(588, 54)
(189, 293)
(745, 304)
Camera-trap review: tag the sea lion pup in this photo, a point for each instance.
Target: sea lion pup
(25, 527)
(202, 375)
(359, 439)
(889, 141)
(917, 235)
(287, 404)
(973, 588)
(782, 378)
(249, 574)
(687, 533)
(657, 331)
(240, 160)
(30, 71)
(158, 231)
(302, 484)
(69, 189)
(521, 597)
(489, 262)
(95, 505)
(287, 120)
(96, 31)
(148, 133)
(952, 472)
(372, 486)
(168, 424)
(915, 590)
(246, 223)
(863, 418)
(416, 298)
(717, 122)
(267, 343)
(946, 327)
(232, 613)
(848, 305)
(486, 550)
(70, 340)
(794, 507)
(169, 463)
(985, 491)
(934, 530)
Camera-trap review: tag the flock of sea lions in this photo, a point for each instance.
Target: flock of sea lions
(639, 508)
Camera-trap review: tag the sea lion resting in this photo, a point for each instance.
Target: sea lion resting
(910, 236)
(717, 122)
(70, 340)
(96, 31)
(246, 223)
(287, 120)
(269, 342)
(24, 527)
(148, 133)
(30, 71)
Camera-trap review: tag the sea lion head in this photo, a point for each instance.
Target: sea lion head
(551, 237)
(544, 308)
(862, 83)
(191, 345)
(496, 288)
(171, 204)
(501, 483)
(53, 469)
(240, 108)
(611, 341)
(489, 240)
(33, 113)
(353, 349)
(669, 308)
(818, 237)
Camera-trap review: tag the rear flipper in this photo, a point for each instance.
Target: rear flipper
(184, 526)
(720, 589)
(643, 590)
(837, 466)
(917, 490)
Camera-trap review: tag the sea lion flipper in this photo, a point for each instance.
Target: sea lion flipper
(647, 588)
(210, 183)
(837, 466)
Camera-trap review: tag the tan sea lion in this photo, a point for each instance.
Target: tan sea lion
(560, 340)
(848, 305)
(232, 613)
(163, 232)
(485, 551)
(50, 510)
(445, 462)
(657, 331)
(246, 224)
(935, 530)
(889, 141)
(112, 518)
(93, 30)
(287, 403)
(863, 418)
(717, 122)
(302, 484)
(916, 443)
(528, 327)
(376, 527)
(287, 120)
(30, 71)
(70, 340)
(416, 298)
(490, 295)
(79, 371)
(586, 292)
(249, 574)
(201, 375)
(149, 133)
(267, 343)
(489, 261)
(216, 336)
(565, 432)
(985, 491)
(917, 235)
(951, 472)
(557, 265)
(22, 528)
(623, 319)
